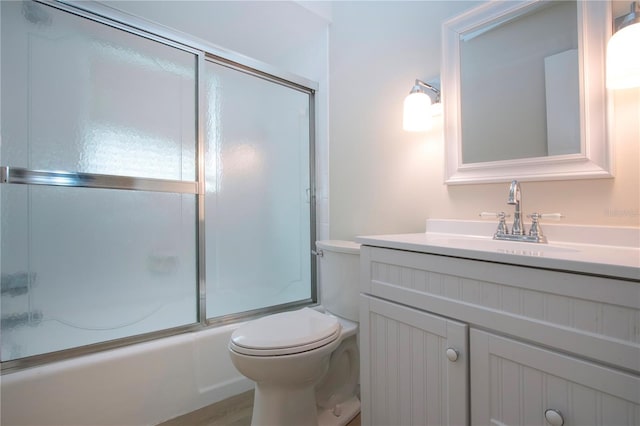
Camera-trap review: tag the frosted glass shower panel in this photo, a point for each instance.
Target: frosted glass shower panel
(82, 266)
(257, 179)
(91, 98)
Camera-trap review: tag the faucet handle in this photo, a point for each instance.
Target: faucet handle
(555, 216)
(535, 217)
(502, 224)
(499, 215)
(535, 230)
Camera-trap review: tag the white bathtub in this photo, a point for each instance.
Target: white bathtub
(142, 384)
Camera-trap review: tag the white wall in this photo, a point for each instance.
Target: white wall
(384, 180)
(380, 175)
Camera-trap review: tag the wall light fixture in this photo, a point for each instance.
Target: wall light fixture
(419, 107)
(623, 59)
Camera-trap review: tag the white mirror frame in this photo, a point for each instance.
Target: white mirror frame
(596, 157)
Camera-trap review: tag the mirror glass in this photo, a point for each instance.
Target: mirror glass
(537, 112)
(523, 92)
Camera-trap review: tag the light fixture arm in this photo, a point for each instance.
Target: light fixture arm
(633, 17)
(421, 85)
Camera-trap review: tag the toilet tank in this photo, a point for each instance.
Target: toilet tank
(340, 277)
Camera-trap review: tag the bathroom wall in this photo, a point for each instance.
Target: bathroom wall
(385, 180)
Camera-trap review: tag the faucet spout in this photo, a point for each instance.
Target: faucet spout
(515, 198)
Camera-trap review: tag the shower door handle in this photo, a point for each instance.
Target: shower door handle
(19, 175)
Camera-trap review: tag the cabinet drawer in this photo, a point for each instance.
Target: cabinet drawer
(595, 317)
(514, 383)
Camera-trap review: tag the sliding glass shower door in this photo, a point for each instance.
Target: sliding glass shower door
(100, 125)
(148, 187)
(100, 243)
(258, 206)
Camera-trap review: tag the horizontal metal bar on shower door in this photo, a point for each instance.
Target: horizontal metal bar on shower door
(18, 175)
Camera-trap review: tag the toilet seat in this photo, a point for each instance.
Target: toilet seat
(285, 333)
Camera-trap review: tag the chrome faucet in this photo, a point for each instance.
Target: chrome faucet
(515, 198)
(518, 232)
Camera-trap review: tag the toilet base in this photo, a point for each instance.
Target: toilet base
(284, 406)
(341, 415)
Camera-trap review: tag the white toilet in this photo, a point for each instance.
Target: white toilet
(305, 363)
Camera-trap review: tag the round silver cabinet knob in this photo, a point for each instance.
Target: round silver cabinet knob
(452, 354)
(554, 417)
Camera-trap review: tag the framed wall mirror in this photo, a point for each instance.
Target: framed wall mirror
(524, 92)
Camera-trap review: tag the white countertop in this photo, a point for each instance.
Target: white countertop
(576, 251)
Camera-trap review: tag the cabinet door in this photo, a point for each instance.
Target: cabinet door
(513, 383)
(406, 375)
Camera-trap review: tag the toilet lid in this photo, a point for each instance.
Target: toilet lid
(285, 333)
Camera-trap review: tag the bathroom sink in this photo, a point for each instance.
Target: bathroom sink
(598, 250)
(511, 247)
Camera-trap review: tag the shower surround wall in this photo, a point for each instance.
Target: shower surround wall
(154, 381)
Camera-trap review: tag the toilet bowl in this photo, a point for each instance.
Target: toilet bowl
(305, 362)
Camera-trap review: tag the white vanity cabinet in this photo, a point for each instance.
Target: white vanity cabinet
(534, 346)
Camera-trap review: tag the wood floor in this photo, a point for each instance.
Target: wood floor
(235, 411)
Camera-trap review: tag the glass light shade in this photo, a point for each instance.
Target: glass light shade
(417, 112)
(623, 60)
